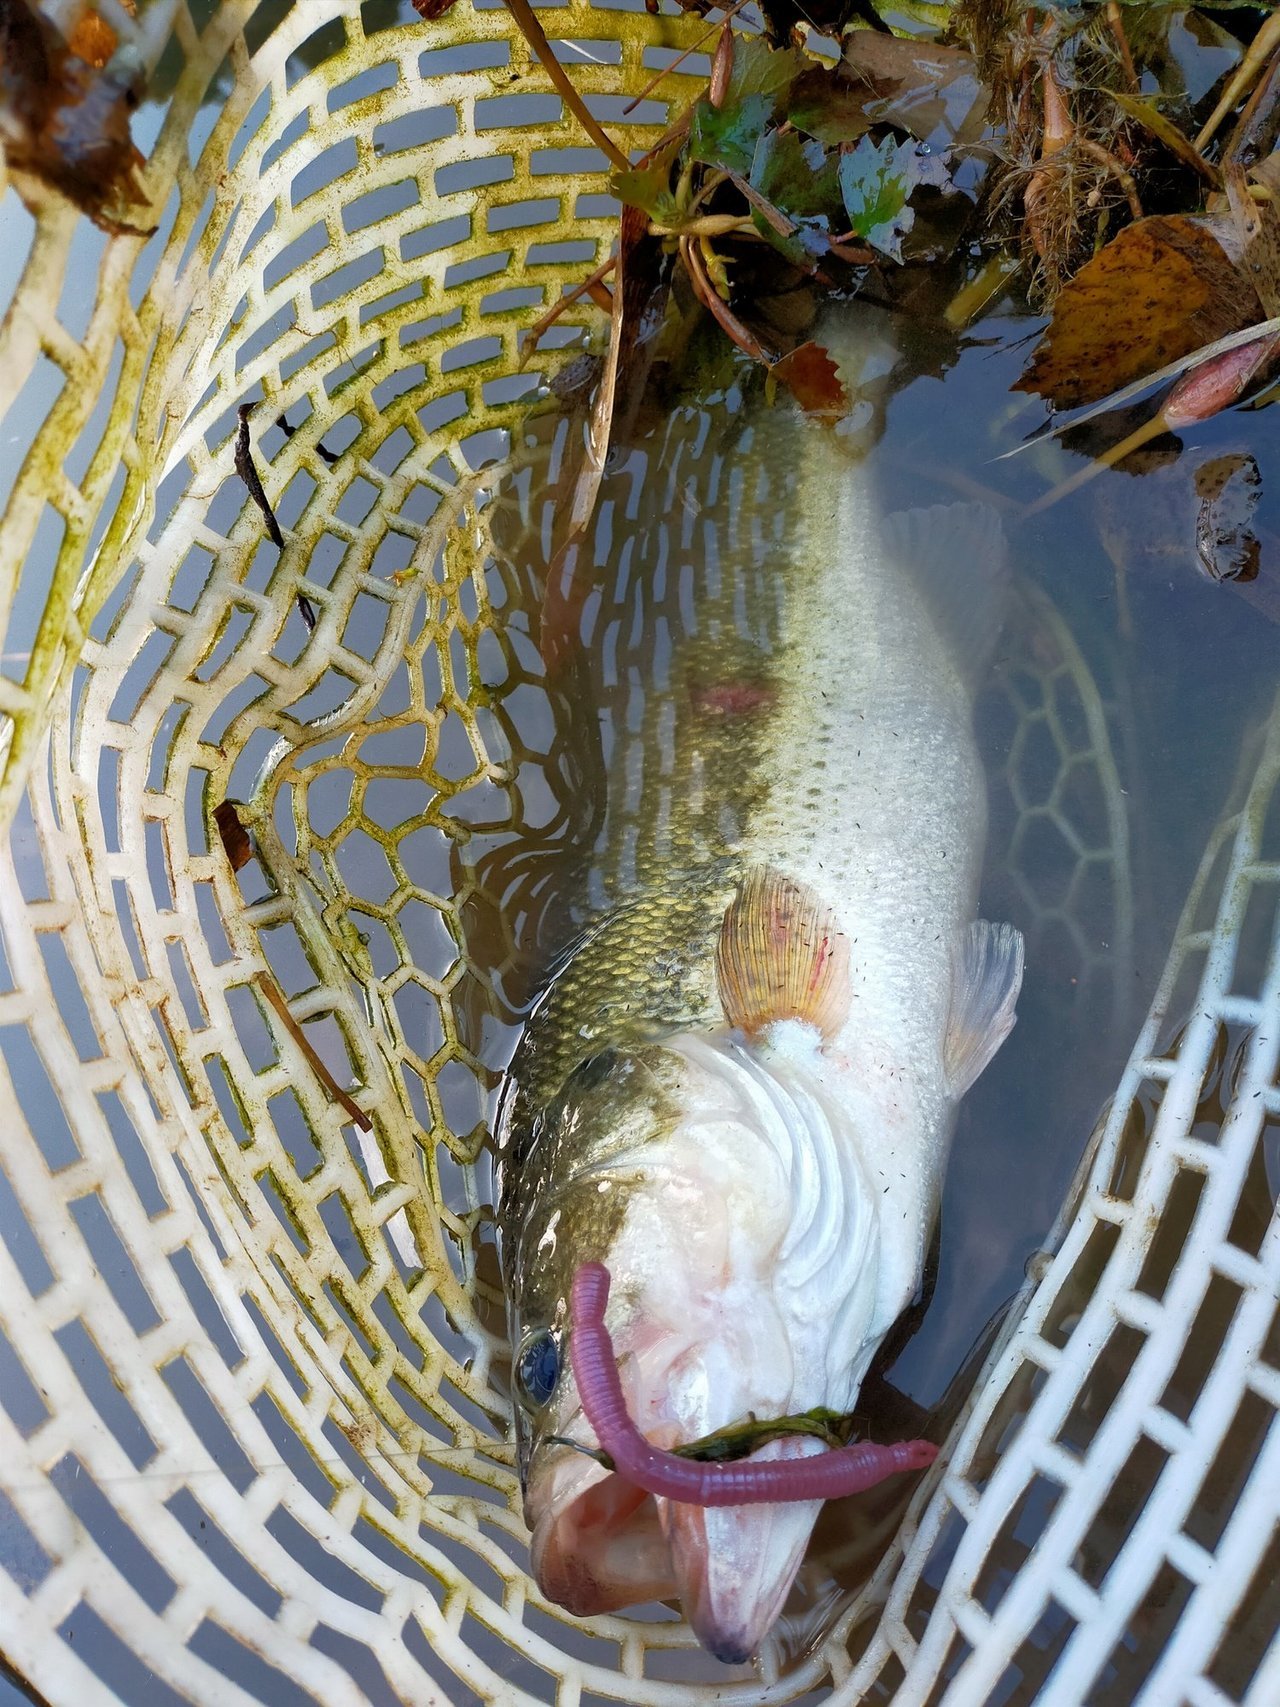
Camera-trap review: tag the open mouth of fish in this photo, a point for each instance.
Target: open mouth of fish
(601, 1544)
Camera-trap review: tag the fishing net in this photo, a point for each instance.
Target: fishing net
(254, 1432)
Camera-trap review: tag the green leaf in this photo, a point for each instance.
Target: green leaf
(796, 175)
(827, 106)
(649, 187)
(727, 136)
(876, 180)
(759, 69)
(759, 78)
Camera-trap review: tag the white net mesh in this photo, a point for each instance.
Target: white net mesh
(255, 1436)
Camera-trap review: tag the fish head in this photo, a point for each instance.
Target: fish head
(742, 1243)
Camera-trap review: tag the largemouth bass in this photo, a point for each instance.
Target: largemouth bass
(738, 1087)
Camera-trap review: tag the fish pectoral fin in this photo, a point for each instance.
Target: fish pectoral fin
(782, 956)
(957, 555)
(986, 976)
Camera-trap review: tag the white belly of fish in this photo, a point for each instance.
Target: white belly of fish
(879, 806)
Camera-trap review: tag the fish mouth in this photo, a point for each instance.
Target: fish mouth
(734, 1565)
(600, 1544)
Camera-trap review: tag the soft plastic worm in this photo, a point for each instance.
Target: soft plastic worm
(846, 1470)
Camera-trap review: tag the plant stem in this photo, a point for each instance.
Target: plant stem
(534, 34)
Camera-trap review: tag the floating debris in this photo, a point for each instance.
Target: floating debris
(1228, 488)
(248, 472)
(65, 108)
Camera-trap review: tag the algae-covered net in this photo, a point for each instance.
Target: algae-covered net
(255, 1433)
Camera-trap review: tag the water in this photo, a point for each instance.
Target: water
(1112, 610)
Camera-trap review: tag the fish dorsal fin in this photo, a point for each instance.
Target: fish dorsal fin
(986, 975)
(781, 955)
(957, 555)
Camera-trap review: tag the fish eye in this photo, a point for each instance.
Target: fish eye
(538, 1366)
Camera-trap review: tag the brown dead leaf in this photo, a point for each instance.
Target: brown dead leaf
(931, 91)
(93, 40)
(66, 123)
(430, 10)
(1258, 228)
(1163, 287)
(814, 381)
(235, 838)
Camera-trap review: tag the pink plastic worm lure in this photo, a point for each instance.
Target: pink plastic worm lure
(845, 1470)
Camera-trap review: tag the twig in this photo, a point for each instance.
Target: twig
(247, 471)
(1247, 73)
(675, 65)
(777, 219)
(249, 474)
(239, 851)
(722, 67)
(540, 325)
(858, 254)
(322, 450)
(1253, 137)
(534, 34)
(711, 300)
(1097, 152)
(1116, 25)
(275, 998)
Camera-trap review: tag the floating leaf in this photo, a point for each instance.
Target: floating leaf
(933, 93)
(1163, 287)
(876, 179)
(829, 107)
(797, 177)
(814, 381)
(1228, 488)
